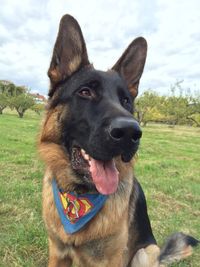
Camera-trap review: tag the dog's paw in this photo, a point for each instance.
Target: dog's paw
(147, 257)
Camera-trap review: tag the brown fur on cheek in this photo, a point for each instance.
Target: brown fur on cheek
(50, 148)
(55, 157)
(50, 132)
(125, 169)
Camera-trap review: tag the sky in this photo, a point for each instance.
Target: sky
(28, 29)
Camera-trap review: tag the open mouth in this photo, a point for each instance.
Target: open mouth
(103, 174)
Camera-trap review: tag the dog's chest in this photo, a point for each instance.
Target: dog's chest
(110, 220)
(96, 251)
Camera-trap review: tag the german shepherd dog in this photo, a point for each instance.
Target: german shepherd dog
(93, 207)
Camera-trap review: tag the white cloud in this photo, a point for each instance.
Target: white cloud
(28, 30)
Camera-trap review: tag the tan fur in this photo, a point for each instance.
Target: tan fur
(55, 75)
(133, 90)
(109, 227)
(74, 64)
(187, 252)
(147, 257)
(111, 222)
(103, 225)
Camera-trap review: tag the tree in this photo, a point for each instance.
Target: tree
(3, 95)
(194, 110)
(147, 107)
(181, 107)
(21, 103)
(8, 88)
(3, 102)
(175, 109)
(38, 108)
(18, 98)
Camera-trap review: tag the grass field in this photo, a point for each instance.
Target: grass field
(168, 168)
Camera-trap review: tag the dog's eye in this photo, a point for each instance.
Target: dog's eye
(86, 92)
(125, 102)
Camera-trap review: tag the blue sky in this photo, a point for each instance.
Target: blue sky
(28, 29)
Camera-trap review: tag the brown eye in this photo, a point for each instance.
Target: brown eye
(126, 100)
(126, 103)
(86, 92)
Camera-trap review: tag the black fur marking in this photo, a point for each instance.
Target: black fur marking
(141, 218)
(140, 232)
(192, 241)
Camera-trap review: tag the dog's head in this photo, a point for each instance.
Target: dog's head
(95, 108)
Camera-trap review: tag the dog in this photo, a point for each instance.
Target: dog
(94, 208)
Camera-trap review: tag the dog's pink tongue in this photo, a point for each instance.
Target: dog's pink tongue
(105, 176)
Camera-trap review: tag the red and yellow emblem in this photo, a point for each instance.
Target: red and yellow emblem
(74, 207)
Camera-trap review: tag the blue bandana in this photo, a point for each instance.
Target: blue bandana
(76, 210)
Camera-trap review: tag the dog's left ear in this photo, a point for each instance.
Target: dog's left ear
(131, 64)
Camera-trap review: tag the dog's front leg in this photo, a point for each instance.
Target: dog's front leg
(147, 257)
(57, 258)
(88, 257)
(111, 261)
(55, 261)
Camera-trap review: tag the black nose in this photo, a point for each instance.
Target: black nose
(124, 129)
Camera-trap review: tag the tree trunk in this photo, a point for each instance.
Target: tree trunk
(192, 119)
(1, 110)
(20, 113)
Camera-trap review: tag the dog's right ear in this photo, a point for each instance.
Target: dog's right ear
(69, 53)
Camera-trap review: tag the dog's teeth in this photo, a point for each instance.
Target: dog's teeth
(87, 157)
(83, 152)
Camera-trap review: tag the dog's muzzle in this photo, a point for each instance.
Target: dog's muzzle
(125, 133)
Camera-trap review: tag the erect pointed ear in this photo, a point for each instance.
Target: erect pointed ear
(69, 53)
(131, 64)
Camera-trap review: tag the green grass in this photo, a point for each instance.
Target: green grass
(168, 168)
(22, 235)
